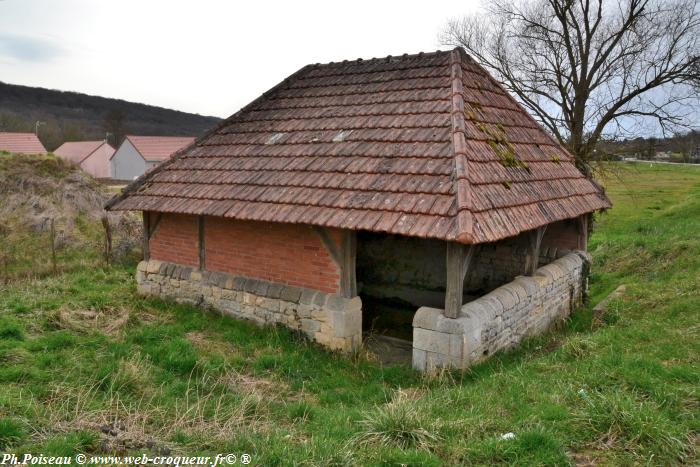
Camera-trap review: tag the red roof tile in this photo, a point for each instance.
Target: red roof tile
(159, 148)
(425, 145)
(78, 151)
(21, 143)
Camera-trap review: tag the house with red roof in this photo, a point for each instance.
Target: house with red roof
(21, 143)
(92, 156)
(138, 154)
(411, 195)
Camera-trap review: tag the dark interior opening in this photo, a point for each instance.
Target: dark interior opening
(388, 317)
(397, 275)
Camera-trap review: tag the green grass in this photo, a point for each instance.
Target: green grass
(81, 354)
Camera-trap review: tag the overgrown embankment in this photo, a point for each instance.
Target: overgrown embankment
(52, 208)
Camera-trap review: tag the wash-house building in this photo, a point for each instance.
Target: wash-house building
(410, 191)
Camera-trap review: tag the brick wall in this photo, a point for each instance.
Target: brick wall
(174, 239)
(284, 253)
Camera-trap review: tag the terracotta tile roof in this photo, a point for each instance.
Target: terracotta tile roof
(159, 148)
(21, 143)
(425, 145)
(78, 151)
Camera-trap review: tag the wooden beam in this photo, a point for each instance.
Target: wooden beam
(348, 278)
(146, 234)
(344, 256)
(200, 243)
(533, 257)
(459, 257)
(582, 224)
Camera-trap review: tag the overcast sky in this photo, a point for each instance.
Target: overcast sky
(204, 56)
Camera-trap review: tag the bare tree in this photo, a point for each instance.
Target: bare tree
(590, 68)
(115, 124)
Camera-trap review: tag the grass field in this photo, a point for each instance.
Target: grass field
(88, 366)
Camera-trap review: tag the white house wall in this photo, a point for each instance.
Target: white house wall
(127, 163)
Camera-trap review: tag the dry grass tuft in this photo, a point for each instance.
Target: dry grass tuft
(262, 389)
(109, 320)
(399, 423)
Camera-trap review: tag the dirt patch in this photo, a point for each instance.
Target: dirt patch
(206, 344)
(263, 389)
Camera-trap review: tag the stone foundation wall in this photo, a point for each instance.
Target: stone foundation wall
(329, 319)
(500, 319)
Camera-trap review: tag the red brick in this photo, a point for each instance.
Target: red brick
(285, 253)
(175, 240)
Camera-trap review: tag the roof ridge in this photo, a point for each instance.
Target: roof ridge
(465, 221)
(517, 103)
(388, 58)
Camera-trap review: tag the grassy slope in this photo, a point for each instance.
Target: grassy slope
(81, 351)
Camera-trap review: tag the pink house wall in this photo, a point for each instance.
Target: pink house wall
(98, 164)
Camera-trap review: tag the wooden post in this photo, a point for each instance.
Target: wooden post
(348, 278)
(146, 234)
(200, 230)
(459, 257)
(345, 257)
(108, 239)
(53, 246)
(5, 274)
(533, 257)
(582, 224)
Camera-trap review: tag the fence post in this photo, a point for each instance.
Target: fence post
(5, 274)
(53, 246)
(108, 239)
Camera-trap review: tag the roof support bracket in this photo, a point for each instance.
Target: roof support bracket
(153, 228)
(146, 234)
(344, 256)
(582, 225)
(533, 255)
(459, 258)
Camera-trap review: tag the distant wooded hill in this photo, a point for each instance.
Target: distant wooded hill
(72, 116)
